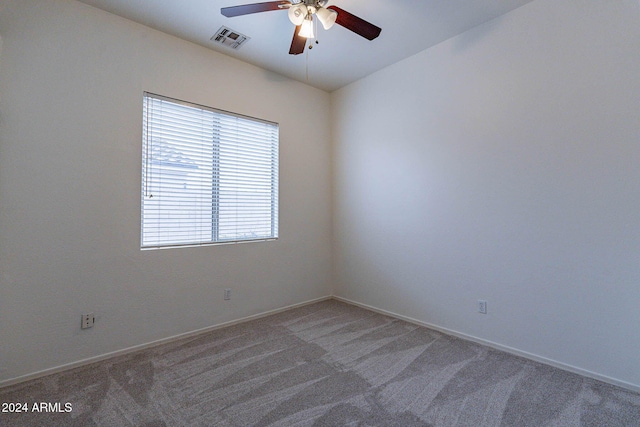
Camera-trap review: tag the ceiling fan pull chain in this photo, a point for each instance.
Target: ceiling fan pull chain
(315, 24)
(307, 66)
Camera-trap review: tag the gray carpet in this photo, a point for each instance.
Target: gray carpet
(325, 364)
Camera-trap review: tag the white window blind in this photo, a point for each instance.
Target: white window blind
(208, 176)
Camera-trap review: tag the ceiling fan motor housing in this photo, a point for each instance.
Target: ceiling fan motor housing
(315, 3)
(312, 5)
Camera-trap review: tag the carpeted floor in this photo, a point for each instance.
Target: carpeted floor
(325, 364)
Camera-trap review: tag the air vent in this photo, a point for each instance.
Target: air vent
(230, 38)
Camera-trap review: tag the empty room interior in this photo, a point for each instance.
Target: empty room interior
(459, 218)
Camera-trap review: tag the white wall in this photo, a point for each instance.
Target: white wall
(503, 165)
(71, 83)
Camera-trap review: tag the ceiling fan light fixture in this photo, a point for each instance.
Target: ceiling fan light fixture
(297, 13)
(327, 17)
(306, 30)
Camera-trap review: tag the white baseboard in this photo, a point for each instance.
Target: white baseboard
(151, 344)
(511, 350)
(507, 349)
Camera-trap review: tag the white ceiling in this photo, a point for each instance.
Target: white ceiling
(341, 57)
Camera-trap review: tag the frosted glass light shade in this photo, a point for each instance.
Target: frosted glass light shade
(327, 17)
(307, 28)
(297, 13)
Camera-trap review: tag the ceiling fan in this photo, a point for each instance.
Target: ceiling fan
(301, 13)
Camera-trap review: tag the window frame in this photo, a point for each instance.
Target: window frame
(215, 178)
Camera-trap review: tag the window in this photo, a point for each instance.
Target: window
(208, 176)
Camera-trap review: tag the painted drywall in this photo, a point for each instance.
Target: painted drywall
(502, 165)
(71, 84)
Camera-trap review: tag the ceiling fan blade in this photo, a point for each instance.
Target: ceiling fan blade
(355, 24)
(298, 43)
(247, 9)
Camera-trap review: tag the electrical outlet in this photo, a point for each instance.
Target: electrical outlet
(227, 294)
(88, 320)
(482, 306)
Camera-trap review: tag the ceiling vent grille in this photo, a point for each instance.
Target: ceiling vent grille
(230, 38)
